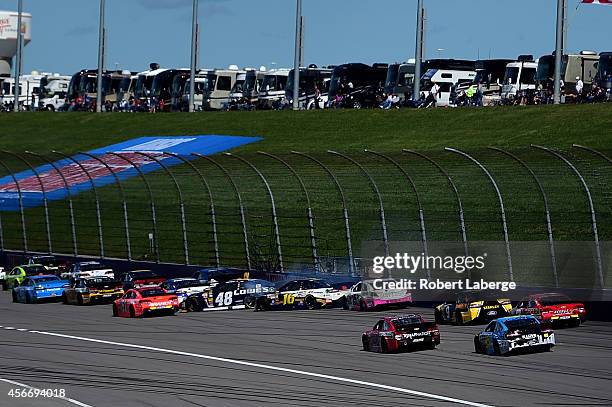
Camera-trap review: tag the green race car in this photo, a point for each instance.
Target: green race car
(19, 273)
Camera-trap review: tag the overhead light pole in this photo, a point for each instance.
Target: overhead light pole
(418, 57)
(559, 49)
(101, 46)
(296, 60)
(194, 54)
(18, 57)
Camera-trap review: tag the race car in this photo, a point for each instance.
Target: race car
(85, 269)
(140, 278)
(310, 293)
(473, 307)
(184, 287)
(51, 263)
(213, 276)
(512, 334)
(2, 276)
(552, 308)
(393, 334)
(363, 296)
(19, 273)
(36, 288)
(91, 290)
(234, 294)
(139, 302)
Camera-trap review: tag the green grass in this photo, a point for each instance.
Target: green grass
(346, 131)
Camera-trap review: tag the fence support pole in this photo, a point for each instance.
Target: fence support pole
(381, 207)
(151, 200)
(75, 251)
(181, 202)
(345, 213)
(551, 241)
(279, 251)
(245, 234)
(501, 205)
(24, 235)
(587, 190)
(451, 183)
(95, 190)
(126, 224)
(418, 199)
(44, 194)
(212, 203)
(311, 229)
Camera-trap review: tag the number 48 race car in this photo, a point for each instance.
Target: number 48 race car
(233, 294)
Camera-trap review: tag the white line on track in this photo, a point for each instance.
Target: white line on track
(69, 400)
(268, 367)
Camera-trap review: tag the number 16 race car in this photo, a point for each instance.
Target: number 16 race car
(511, 334)
(392, 334)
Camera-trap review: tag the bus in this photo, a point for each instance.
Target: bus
(400, 79)
(310, 78)
(604, 73)
(582, 65)
(246, 88)
(272, 91)
(519, 76)
(357, 85)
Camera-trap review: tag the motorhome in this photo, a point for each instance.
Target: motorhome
(357, 85)
(446, 79)
(519, 76)
(490, 75)
(604, 73)
(53, 90)
(29, 89)
(213, 88)
(310, 78)
(161, 88)
(83, 87)
(246, 88)
(177, 104)
(582, 65)
(400, 79)
(272, 91)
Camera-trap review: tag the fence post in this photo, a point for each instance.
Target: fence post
(212, 203)
(591, 206)
(24, 235)
(501, 205)
(381, 207)
(311, 229)
(551, 241)
(93, 186)
(418, 199)
(181, 202)
(151, 200)
(245, 234)
(455, 192)
(75, 250)
(279, 252)
(44, 194)
(123, 202)
(345, 214)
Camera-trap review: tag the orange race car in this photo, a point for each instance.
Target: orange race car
(142, 301)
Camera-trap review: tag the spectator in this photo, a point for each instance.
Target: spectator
(579, 89)
(435, 92)
(479, 94)
(388, 103)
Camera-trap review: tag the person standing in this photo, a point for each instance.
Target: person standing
(579, 89)
(435, 92)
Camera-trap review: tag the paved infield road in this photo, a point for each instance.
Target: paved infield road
(297, 358)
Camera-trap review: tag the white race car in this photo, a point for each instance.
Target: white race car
(184, 287)
(310, 293)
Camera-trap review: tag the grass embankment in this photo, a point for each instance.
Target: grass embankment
(346, 131)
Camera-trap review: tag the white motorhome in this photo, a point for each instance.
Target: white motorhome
(53, 90)
(272, 91)
(446, 79)
(29, 88)
(217, 86)
(519, 76)
(246, 88)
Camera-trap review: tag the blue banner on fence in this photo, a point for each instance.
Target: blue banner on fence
(70, 176)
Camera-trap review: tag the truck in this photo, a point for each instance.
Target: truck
(311, 77)
(272, 91)
(582, 65)
(519, 76)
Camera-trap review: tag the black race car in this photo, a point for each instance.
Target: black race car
(233, 294)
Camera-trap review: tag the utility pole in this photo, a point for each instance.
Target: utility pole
(101, 49)
(418, 58)
(296, 59)
(194, 54)
(18, 57)
(559, 49)
(302, 31)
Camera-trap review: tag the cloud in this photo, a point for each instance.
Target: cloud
(82, 31)
(172, 4)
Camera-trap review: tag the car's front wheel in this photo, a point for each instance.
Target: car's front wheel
(250, 302)
(311, 302)
(365, 343)
(192, 305)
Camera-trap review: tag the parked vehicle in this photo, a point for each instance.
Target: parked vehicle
(490, 75)
(519, 76)
(310, 79)
(245, 92)
(582, 65)
(53, 91)
(604, 73)
(160, 96)
(446, 79)
(357, 85)
(214, 88)
(400, 79)
(83, 89)
(272, 91)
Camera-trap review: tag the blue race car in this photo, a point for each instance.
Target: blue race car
(511, 334)
(36, 288)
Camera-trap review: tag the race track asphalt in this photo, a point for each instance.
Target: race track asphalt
(323, 342)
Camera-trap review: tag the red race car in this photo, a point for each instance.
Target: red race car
(393, 334)
(552, 308)
(138, 302)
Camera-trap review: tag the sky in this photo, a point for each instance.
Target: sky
(261, 32)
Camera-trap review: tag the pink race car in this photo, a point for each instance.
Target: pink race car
(393, 334)
(364, 296)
